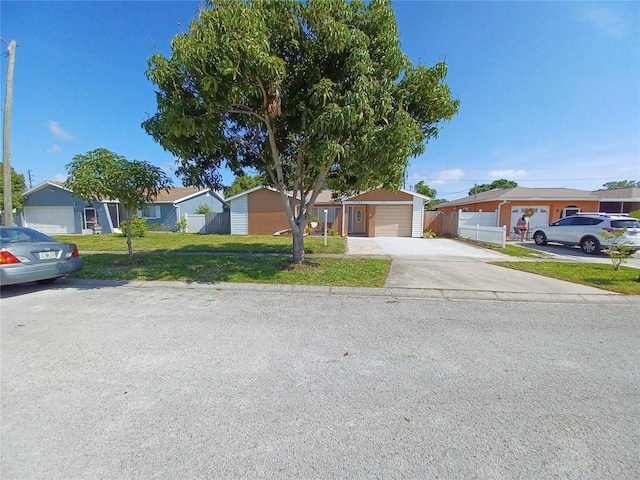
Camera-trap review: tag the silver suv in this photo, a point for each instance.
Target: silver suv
(584, 229)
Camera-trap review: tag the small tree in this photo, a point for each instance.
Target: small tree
(618, 252)
(18, 187)
(202, 209)
(103, 175)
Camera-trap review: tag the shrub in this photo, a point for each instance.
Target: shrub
(182, 224)
(635, 214)
(620, 252)
(139, 227)
(202, 208)
(331, 232)
(429, 234)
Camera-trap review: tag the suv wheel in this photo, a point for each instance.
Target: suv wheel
(590, 245)
(540, 238)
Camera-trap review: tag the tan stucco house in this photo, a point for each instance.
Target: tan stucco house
(376, 213)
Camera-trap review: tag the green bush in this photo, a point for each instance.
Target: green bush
(635, 214)
(139, 227)
(202, 208)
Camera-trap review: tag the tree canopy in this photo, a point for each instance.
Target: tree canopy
(18, 187)
(485, 187)
(424, 189)
(622, 184)
(308, 94)
(242, 183)
(103, 175)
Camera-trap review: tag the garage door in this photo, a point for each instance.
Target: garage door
(393, 221)
(50, 219)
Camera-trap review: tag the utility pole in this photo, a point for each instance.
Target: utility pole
(29, 177)
(6, 151)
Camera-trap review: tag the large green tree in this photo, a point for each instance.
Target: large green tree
(242, 183)
(424, 189)
(101, 174)
(18, 187)
(622, 184)
(485, 187)
(310, 94)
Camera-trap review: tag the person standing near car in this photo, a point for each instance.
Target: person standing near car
(523, 226)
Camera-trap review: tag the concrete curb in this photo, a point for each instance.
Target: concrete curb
(418, 293)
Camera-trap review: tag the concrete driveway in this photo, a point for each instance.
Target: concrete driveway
(440, 263)
(574, 254)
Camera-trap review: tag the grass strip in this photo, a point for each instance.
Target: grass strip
(624, 280)
(193, 242)
(271, 269)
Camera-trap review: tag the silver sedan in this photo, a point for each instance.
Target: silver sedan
(27, 255)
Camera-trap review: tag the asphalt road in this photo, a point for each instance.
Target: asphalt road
(163, 380)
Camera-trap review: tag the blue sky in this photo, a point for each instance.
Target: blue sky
(549, 91)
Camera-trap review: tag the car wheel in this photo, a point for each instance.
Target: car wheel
(47, 281)
(540, 238)
(590, 245)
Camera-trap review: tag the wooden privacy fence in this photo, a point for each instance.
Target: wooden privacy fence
(441, 223)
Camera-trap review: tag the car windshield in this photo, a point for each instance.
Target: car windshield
(17, 235)
(626, 223)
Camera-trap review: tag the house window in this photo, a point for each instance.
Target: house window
(149, 211)
(569, 211)
(358, 215)
(332, 213)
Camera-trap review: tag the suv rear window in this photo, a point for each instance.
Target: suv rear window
(630, 223)
(586, 221)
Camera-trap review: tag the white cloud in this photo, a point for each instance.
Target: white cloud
(448, 176)
(605, 21)
(57, 130)
(509, 174)
(55, 149)
(59, 177)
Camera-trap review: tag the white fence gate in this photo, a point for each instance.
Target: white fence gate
(196, 222)
(481, 226)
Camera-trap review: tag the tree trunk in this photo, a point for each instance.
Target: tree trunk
(298, 244)
(129, 246)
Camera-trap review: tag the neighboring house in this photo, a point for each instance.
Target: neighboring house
(170, 206)
(51, 208)
(377, 213)
(547, 204)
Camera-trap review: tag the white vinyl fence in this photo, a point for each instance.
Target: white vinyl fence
(493, 235)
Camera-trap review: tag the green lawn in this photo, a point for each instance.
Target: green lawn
(193, 242)
(263, 268)
(599, 275)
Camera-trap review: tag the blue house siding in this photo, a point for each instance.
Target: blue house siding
(51, 195)
(170, 212)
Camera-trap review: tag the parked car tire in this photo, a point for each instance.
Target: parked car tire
(540, 238)
(590, 245)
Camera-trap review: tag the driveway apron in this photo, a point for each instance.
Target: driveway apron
(446, 264)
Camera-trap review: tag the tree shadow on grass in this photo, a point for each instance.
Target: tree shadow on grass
(256, 268)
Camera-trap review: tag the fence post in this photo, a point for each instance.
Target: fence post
(477, 231)
(504, 236)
